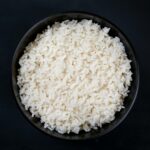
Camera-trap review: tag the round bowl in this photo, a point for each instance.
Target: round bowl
(114, 31)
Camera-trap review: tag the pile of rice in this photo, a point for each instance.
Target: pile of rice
(74, 76)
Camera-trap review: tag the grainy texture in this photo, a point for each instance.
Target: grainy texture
(74, 76)
(17, 16)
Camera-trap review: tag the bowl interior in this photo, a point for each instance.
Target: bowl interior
(114, 31)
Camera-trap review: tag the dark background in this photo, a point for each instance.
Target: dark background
(17, 16)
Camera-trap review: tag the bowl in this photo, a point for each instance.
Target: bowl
(114, 31)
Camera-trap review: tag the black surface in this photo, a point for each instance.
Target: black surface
(114, 31)
(17, 16)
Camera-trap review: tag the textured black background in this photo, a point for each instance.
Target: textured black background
(17, 16)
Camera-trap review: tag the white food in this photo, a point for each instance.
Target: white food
(74, 76)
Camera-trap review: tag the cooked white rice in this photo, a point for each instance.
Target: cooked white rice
(74, 76)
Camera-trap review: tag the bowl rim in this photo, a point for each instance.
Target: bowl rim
(18, 102)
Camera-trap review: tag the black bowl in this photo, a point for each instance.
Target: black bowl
(114, 31)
